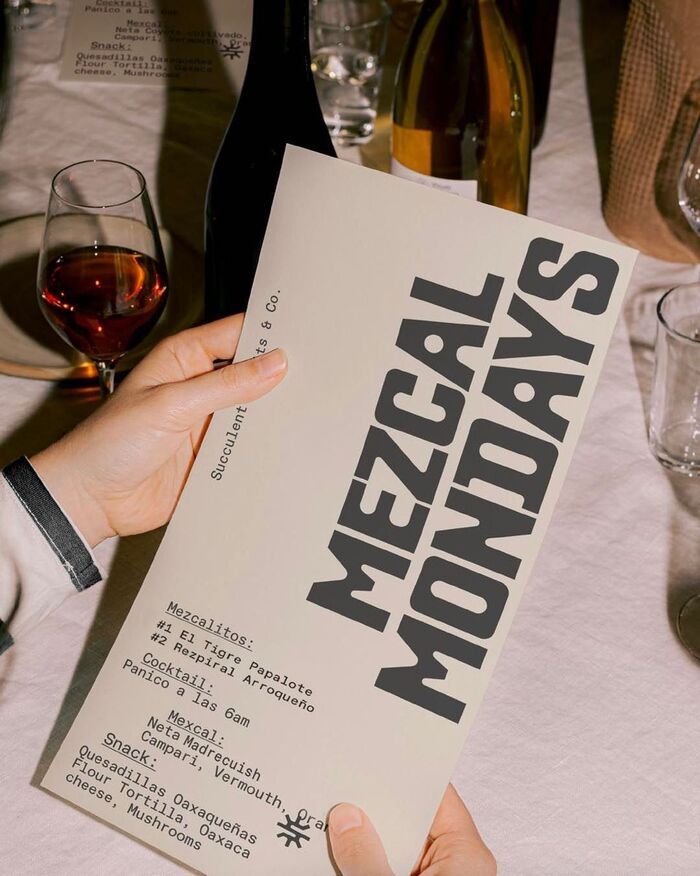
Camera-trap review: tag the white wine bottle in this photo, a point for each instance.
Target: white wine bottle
(462, 119)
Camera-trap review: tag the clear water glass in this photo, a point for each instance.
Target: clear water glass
(688, 618)
(348, 40)
(674, 425)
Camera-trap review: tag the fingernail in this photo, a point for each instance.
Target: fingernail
(271, 364)
(344, 817)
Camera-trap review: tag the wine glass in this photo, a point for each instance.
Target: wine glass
(689, 182)
(102, 280)
(688, 619)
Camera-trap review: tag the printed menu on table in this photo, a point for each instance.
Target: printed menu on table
(329, 601)
(178, 43)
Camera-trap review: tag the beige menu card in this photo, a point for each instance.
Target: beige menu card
(178, 43)
(330, 599)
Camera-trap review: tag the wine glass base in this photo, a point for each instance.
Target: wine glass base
(688, 625)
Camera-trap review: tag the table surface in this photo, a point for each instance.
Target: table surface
(584, 757)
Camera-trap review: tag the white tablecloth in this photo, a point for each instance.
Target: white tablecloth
(585, 758)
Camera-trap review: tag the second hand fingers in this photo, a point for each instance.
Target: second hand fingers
(189, 401)
(357, 849)
(455, 846)
(188, 353)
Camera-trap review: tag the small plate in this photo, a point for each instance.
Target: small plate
(29, 347)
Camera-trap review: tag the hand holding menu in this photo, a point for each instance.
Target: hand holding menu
(329, 601)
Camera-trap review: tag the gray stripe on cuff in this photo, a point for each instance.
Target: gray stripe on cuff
(52, 523)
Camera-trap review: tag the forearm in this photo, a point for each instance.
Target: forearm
(58, 467)
(42, 558)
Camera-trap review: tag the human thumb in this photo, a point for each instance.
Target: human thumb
(356, 846)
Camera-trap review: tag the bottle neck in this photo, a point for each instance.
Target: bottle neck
(280, 40)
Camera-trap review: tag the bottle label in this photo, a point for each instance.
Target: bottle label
(465, 188)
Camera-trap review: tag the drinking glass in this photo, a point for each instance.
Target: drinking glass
(348, 39)
(688, 619)
(689, 182)
(674, 423)
(30, 13)
(102, 280)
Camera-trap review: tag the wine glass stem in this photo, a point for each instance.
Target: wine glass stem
(105, 374)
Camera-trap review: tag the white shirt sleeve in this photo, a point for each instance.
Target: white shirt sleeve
(34, 576)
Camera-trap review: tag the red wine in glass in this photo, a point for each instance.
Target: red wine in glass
(103, 300)
(102, 280)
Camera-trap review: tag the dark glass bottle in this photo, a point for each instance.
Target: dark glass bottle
(277, 105)
(538, 23)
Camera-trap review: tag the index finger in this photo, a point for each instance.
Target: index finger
(189, 353)
(218, 339)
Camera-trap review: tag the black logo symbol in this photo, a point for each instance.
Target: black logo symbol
(233, 50)
(292, 831)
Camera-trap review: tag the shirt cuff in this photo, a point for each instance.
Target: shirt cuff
(60, 534)
(43, 557)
